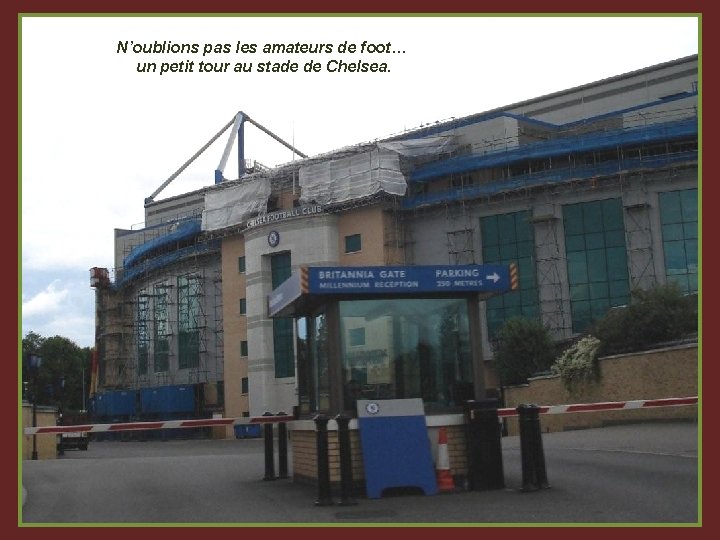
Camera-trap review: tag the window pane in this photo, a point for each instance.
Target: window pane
(488, 226)
(595, 240)
(353, 243)
(597, 265)
(508, 252)
(680, 233)
(577, 267)
(415, 348)
(612, 214)
(592, 217)
(575, 242)
(673, 232)
(572, 219)
(689, 204)
(506, 228)
(599, 290)
(491, 254)
(580, 292)
(670, 209)
(614, 238)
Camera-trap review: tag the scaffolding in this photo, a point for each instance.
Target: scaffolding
(550, 265)
(460, 238)
(638, 238)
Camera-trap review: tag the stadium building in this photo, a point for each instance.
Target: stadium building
(589, 192)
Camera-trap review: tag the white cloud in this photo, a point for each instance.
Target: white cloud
(46, 302)
(64, 307)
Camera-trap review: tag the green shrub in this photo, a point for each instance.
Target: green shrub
(577, 364)
(522, 348)
(654, 316)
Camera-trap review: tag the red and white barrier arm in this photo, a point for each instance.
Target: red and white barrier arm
(606, 406)
(209, 422)
(160, 424)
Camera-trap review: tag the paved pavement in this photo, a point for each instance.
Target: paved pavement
(640, 473)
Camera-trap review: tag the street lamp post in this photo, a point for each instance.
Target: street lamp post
(34, 362)
(60, 447)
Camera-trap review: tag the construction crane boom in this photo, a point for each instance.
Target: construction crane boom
(237, 123)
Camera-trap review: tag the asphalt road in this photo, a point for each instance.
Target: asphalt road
(639, 473)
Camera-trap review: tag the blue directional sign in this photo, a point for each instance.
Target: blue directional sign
(313, 281)
(408, 279)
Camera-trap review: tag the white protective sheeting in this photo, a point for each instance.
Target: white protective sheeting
(234, 204)
(352, 177)
(421, 147)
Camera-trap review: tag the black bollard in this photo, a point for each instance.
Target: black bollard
(346, 480)
(323, 462)
(534, 475)
(269, 452)
(282, 448)
(484, 448)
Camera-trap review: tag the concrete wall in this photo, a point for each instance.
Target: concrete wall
(234, 329)
(367, 222)
(311, 241)
(662, 373)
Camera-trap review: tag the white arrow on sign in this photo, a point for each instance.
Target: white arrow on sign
(493, 277)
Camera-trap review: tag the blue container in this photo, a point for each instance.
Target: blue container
(166, 400)
(120, 403)
(248, 431)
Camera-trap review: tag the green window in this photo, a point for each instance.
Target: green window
(596, 259)
(243, 348)
(189, 315)
(353, 243)
(241, 265)
(283, 336)
(244, 384)
(508, 238)
(243, 306)
(679, 220)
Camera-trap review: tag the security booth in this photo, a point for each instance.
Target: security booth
(386, 333)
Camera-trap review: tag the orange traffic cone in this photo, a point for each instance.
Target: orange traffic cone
(444, 476)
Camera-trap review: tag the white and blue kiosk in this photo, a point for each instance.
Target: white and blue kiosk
(374, 333)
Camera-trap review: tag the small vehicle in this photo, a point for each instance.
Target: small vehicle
(78, 440)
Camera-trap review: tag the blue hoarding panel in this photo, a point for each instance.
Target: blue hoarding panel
(395, 446)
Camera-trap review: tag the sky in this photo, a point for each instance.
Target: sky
(101, 130)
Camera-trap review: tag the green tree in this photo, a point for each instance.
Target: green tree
(59, 380)
(522, 348)
(660, 314)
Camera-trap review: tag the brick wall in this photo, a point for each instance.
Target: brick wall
(304, 455)
(661, 373)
